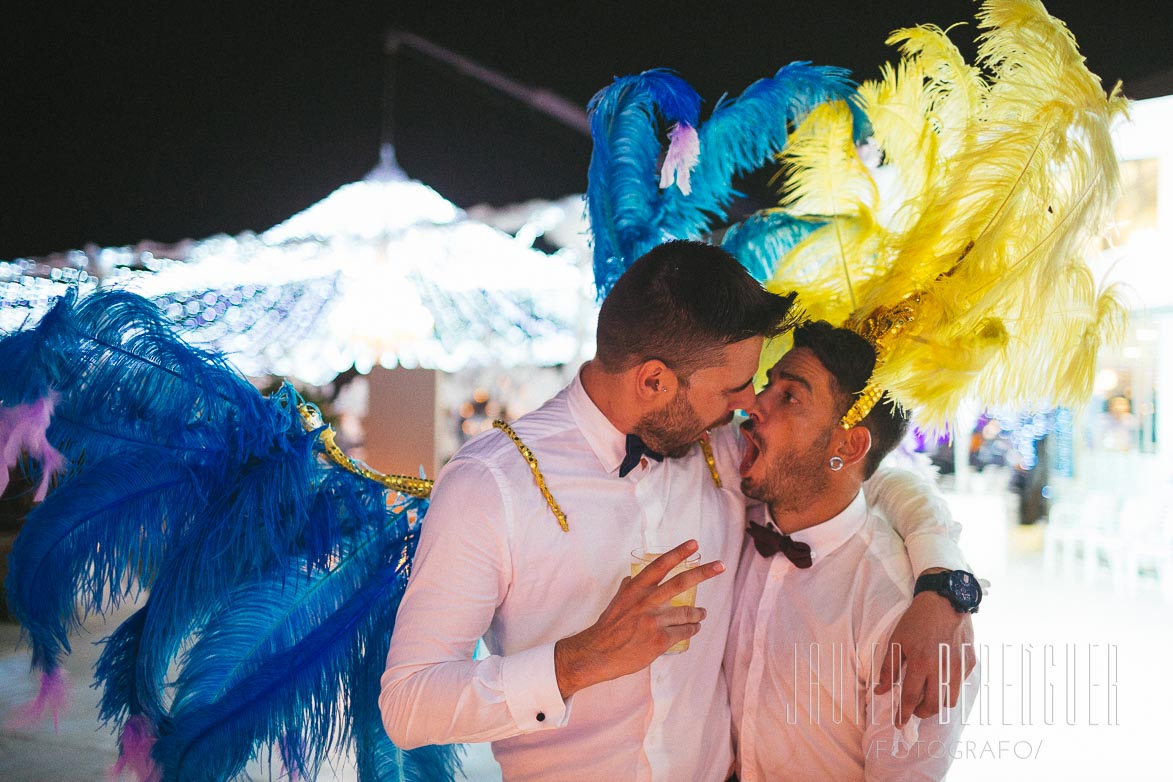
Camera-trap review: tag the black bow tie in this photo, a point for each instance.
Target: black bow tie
(636, 450)
(768, 543)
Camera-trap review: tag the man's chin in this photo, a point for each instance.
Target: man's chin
(678, 446)
(685, 445)
(722, 421)
(677, 451)
(752, 489)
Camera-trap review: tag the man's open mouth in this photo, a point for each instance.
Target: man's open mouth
(750, 454)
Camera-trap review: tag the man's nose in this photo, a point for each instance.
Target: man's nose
(744, 399)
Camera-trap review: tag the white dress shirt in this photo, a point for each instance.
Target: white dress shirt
(804, 653)
(493, 562)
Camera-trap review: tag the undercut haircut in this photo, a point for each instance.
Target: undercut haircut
(850, 359)
(682, 302)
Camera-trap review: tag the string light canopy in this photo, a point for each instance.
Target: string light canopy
(383, 271)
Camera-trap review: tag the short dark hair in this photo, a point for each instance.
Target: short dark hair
(850, 359)
(681, 302)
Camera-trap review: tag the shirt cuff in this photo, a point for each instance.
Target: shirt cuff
(931, 549)
(531, 689)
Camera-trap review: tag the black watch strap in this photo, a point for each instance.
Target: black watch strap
(959, 587)
(933, 582)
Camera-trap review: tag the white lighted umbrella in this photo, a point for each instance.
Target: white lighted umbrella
(383, 271)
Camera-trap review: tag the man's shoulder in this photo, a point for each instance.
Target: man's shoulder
(485, 471)
(495, 448)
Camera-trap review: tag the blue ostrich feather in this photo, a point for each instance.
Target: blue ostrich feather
(378, 758)
(269, 508)
(130, 378)
(762, 239)
(32, 351)
(115, 670)
(132, 668)
(98, 535)
(381, 761)
(630, 214)
(183, 480)
(343, 505)
(165, 441)
(623, 192)
(281, 652)
(746, 133)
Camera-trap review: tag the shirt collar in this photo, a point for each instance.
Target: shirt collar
(825, 537)
(608, 443)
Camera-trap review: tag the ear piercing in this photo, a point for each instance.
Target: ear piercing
(836, 464)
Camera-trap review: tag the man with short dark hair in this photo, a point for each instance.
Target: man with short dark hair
(823, 582)
(528, 543)
(682, 302)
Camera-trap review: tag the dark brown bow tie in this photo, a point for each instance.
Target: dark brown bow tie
(768, 543)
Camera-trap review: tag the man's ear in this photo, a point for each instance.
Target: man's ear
(655, 382)
(854, 445)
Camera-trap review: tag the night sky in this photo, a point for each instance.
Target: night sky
(185, 120)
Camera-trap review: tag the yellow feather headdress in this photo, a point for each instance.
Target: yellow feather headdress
(961, 257)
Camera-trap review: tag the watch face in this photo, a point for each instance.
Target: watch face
(965, 589)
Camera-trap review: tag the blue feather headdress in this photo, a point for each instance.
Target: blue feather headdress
(633, 208)
(273, 574)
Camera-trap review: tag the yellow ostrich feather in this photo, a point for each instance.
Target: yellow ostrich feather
(826, 178)
(974, 283)
(903, 109)
(900, 112)
(955, 89)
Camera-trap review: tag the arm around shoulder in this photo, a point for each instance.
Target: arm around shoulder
(915, 507)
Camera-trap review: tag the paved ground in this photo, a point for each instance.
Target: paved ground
(83, 751)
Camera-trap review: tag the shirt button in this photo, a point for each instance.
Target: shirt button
(541, 716)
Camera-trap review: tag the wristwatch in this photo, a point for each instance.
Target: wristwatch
(961, 589)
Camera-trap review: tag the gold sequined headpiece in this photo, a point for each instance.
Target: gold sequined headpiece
(880, 329)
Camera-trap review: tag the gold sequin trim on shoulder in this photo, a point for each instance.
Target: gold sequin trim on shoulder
(540, 479)
(707, 448)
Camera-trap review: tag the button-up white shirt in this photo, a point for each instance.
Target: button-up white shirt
(493, 562)
(805, 649)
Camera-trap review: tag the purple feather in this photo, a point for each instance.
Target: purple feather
(134, 751)
(684, 150)
(292, 753)
(53, 695)
(22, 430)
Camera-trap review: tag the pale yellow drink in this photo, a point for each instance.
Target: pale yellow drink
(642, 557)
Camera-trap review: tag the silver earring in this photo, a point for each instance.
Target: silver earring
(836, 463)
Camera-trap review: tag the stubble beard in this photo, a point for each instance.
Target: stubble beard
(793, 481)
(672, 429)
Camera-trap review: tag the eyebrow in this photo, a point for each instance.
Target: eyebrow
(802, 381)
(741, 387)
